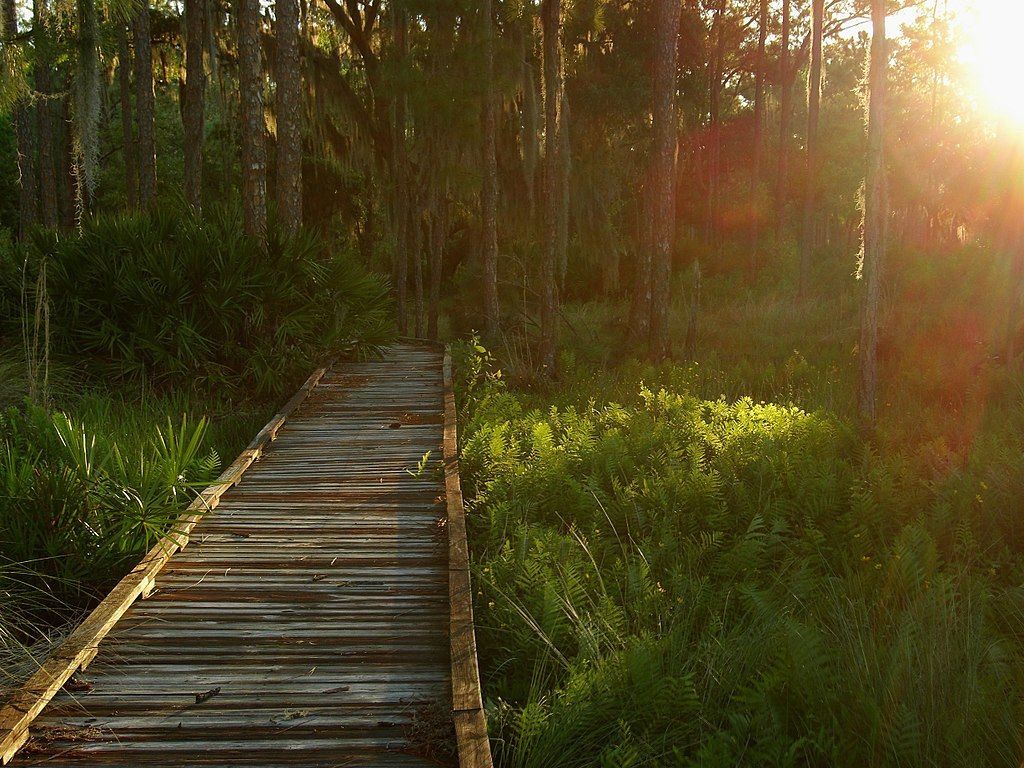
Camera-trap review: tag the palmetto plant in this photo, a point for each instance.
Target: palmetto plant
(168, 297)
(76, 505)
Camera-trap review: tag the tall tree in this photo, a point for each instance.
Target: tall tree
(254, 140)
(288, 71)
(716, 75)
(489, 193)
(661, 195)
(551, 23)
(808, 239)
(876, 213)
(131, 148)
(400, 173)
(87, 94)
(759, 79)
(195, 94)
(785, 97)
(145, 108)
(44, 113)
(27, 207)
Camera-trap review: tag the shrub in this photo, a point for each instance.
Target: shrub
(171, 298)
(668, 580)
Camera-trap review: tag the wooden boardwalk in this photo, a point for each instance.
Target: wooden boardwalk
(316, 615)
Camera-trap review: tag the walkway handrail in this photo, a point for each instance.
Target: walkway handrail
(79, 648)
(467, 704)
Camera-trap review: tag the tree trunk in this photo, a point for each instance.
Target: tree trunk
(66, 162)
(876, 214)
(489, 193)
(661, 196)
(289, 116)
(715, 121)
(145, 108)
(759, 77)
(564, 173)
(87, 93)
(785, 97)
(530, 126)
(400, 272)
(195, 91)
(416, 253)
(438, 225)
(551, 11)
(254, 140)
(808, 240)
(640, 308)
(131, 149)
(22, 119)
(44, 115)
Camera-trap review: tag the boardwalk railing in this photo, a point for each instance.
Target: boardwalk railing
(82, 645)
(467, 705)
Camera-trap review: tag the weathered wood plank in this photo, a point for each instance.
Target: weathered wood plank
(467, 705)
(315, 616)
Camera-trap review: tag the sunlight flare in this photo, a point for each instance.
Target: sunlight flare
(992, 53)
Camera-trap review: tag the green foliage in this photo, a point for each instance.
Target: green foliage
(666, 579)
(171, 298)
(78, 504)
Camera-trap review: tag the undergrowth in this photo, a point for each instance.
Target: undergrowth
(666, 578)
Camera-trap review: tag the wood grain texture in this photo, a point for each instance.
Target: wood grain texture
(467, 704)
(307, 623)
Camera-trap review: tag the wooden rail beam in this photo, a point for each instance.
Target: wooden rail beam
(80, 647)
(467, 703)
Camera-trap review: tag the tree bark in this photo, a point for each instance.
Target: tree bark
(145, 108)
(489, 192)
(438, 227)
(400, 272)
(876, 214)
(715, 121)
(808, 239)
(661, 196)
(44, 115)
(254, 140)
(416, 253)
(563, 189)
(785, 97)
(131, 149)
(195, 94)
(289, 116)
(551, 13)
(22, 118)
(759, 78)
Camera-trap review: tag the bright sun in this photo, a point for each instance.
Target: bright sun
(992, 51)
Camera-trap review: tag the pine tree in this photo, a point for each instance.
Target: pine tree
(288, 71)
(254, 141)
(876, 213)
(489, 192)
(131, 149)
(808, 240)
(661, 196)
(44, 114)
(145, 108)
(27, 206)
(551, 18)
(194, 97)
